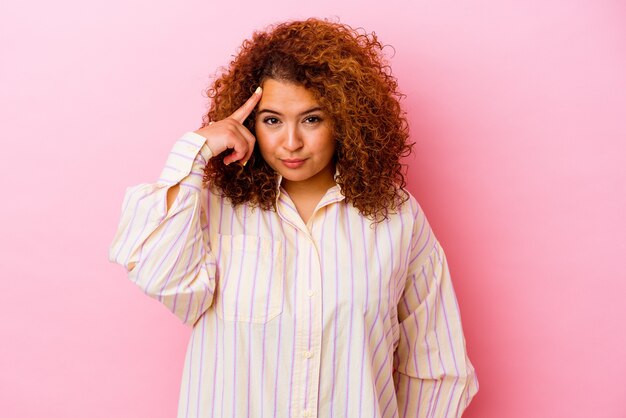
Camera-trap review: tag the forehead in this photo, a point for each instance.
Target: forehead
(286, 97)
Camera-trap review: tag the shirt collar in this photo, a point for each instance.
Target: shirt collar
(333, 194)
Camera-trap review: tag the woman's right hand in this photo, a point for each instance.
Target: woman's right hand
(229, 133)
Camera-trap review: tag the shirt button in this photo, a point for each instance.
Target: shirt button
(310, 293)
(308, 354)
(306, 413)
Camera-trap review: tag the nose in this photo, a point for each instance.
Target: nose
(293, 139)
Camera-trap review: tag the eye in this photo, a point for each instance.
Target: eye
(270, 121)
(312, 119)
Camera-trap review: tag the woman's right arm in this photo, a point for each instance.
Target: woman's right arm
(160, 240)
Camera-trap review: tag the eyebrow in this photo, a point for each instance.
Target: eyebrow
(313, 109)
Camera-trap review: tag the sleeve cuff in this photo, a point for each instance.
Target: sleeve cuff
(187, 158)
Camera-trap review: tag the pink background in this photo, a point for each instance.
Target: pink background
(518, 110)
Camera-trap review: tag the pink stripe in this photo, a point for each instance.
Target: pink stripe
(451, 346)
(267, 297)
(383, 337)
(225, 278)
(337, 313)
(390, 300)
(216, 355)
(452, 396)
(407, 393)
(236, 323)
(295, 314)
(196, 264)
(130, 227)
(156, 245)
(207, 294)
(199, 390)
(375, 321)
(183, 232)
(415, 351)
(322, 262)
(435, 317)
(410, 318)
(404, 266)
(423, 246)
(184, 141)
(195, 275)
(306, 379)
(251, 312)
(219, 276)
(167, 181)
(364, 307)
(438, 385)
(189, 363)
(351, 265)
(279, 343)
(186, 157)
(445, 316)
(284, 202)
(191, 186)
(171, 167)
(391, 397)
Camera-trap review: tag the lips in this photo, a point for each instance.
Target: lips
(293, 163)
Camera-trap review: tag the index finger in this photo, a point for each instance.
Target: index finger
(242, 113)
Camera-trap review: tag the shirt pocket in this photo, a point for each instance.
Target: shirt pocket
(250, 281)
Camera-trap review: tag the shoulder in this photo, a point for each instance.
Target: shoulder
(423, 237)
(411, 208)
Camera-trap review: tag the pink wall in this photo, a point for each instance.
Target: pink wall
(518, 111)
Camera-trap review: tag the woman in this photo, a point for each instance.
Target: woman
(281, 231)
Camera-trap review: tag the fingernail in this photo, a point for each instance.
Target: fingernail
(258, 90)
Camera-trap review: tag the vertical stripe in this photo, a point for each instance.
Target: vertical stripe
(217, 339)
(236, 322)
(216, 355)
(309, 348)
(295, 321)
(238, 368)
(366, 259)
(267, 298)
(251, 315)
(338, 312)
(189, 366)
(199, 387)
(279, 341)
(131, 231)
(351, 261)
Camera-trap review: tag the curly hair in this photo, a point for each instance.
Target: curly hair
(348, 75)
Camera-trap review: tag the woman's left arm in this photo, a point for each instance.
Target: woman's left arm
(433, 374)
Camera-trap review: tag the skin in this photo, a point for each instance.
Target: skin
(290, 126)
(228, 133)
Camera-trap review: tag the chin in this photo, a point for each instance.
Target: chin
(296, 176)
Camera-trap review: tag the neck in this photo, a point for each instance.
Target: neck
(315, 186)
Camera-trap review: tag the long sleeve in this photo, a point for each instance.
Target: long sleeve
(164, 251)
(433, 374)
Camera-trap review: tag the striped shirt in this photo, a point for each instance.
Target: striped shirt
(337, 317)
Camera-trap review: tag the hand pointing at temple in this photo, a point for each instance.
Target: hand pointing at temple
(230, 133)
